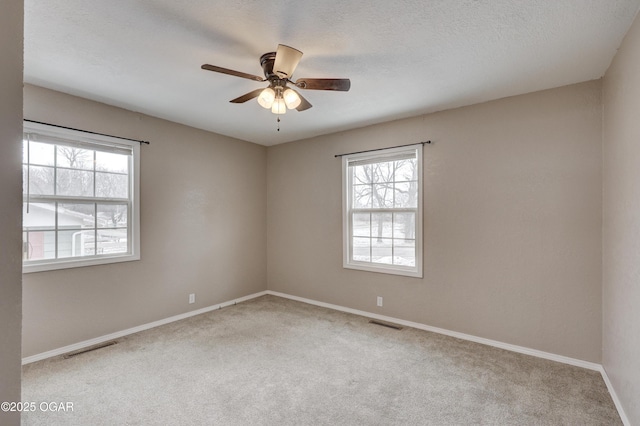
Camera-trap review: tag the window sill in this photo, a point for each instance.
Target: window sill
(42, 266)
(385, 269)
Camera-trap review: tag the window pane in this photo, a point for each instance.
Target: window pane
(112, 185)
(362, 196)
(75, 243)
(112, 215)
(361, 249)
(382, 195)
(383, 172)
(75, 183)
(112, 241)
(362, 175)
(110, 162)
(41, 216)
(406, 195)
(40, 180)
(75, 158)
(404, 252)
(381, 251)
(361, 224)
(37, 153)
(381, 226)
(406, 170)
(39, 245)
(76, 215)
(404, 226)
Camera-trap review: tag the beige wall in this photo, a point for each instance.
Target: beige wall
(512, 221)
(203, 229)
(10, 206)
(621, 230)
(515, 233)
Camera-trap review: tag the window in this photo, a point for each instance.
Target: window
(382, 211)
(80, 199)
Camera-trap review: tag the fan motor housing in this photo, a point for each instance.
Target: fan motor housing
(266, 61)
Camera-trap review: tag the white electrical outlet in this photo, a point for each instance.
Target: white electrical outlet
(192, 298)
(379, 300)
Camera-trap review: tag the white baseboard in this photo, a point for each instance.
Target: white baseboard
(614, 396)
(495, 343)
(463, 336)
(507, 346)
(118, 334)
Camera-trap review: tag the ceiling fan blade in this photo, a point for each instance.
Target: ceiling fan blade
(231, 72)
(286, 61)
(340, 84)
(247, 97)
(304, 104)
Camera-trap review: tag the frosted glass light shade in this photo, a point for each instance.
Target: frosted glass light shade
(266, 98)
(279, 107)
(291, 98)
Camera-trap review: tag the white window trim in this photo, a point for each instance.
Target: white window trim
(347, 263)
(133, 224)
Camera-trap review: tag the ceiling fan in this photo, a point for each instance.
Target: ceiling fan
(278, 67)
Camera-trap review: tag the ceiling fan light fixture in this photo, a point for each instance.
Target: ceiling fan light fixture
(278, 67)
(291, 99)
(279, 107)
(266, 98)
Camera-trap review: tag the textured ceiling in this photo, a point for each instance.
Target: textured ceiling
(404, 58)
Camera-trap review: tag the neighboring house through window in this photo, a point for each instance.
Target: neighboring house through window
(382, 211)
(80, 199)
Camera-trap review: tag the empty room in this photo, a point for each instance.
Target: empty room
(286, 213)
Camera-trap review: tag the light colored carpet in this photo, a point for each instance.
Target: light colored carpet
(273, 361)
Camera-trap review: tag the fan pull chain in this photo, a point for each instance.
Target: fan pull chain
(278, 123)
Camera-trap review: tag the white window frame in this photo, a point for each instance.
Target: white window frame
(348, 211)
(133, 205)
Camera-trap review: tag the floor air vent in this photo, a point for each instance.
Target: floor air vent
(90, 349)
(385, 324)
